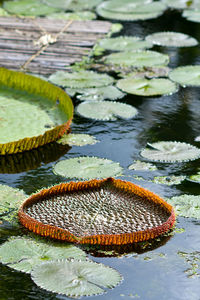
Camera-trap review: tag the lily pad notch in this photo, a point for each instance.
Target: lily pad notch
(107, 212)
(35, 86)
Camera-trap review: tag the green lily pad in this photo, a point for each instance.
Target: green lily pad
(137, 58)
(75, 278)
(170, 152)
(130, 10)
(83, 4)
(87, 168)
(147, 87)
(10, 201)
(180, 4)
(78, 15)
(172, 39)
(124, 43)
(186, 205)
(194, 178)
(22, 253)
(192, 15)
(142, 166)
(168, 180)
(28, 8)
(106, 110)
(186, 75)
(77, 140)
(101, 93)
(150, 72)
(81, 79)
(61, 4)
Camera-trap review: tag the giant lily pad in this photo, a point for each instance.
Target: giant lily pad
(130, 10)
(192, 15)
(106, 111)
(28, 8)
(171, 39)
(186, 205)
(22, 253)
(87, 168)
(107, 211)
(170, 152)
(186, 76)
(147, 87)
(81, 79)
(137, 58)
(124, 43)
(33, 112)
(75, 278)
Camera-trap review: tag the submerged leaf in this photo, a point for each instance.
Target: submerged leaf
(22, 253)
(87, 168)
(171, 39)
(169, 180)
(28, 8)
(77, 140)
(137, 58)
(147, 87)
(124, 43)
(101, 93)
(106, 110)
(140, 165)
(81, 79)
(75, 278)
(186, 205)
(170, 152)
(186, 76)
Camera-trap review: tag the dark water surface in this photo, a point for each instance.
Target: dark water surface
(159, 273)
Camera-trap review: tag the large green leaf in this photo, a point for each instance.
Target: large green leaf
(186, 75)
(22, 253)
(83, 4)
(33, 112)
(75, 278)
(61, 4)
(186, 205)
(87, 168)
(192, 15)
(106, 110)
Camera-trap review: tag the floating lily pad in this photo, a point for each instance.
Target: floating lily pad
(78, 15)
(194, 178)
(137, 58)
(87, 168)
(124, 43)
(28, 8)
(147, 87)
(141, 165)
(75, 278)
(22, 253)
(168, 180)
(10, 201)
(106, 110)
(172, 39)
(130, 10)
(181, 4)
(107, 212)
(186, 75)
(77, 140)
(101, 93)
(186, 205)
(146, 72)
(83, 4)
(33, 112)
(81, 79)
(192, 15)
(170, 152)
(61, 4)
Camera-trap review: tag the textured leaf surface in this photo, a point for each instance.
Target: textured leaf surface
(170, 152)
(147, 87)
(22, 254)
(137, 58)
(106, 111)
(73, 139)
(87, 168)
(81, 79)
(75, 278)
(124, 43)
(140, 165)
(186, 205)
(78, 15)
(171, 39)
(186, 76)
(98, 94)
(28, 8)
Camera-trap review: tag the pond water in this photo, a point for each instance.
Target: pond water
(161, 272)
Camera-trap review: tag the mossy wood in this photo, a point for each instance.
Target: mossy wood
(108, 211)
(21, 83)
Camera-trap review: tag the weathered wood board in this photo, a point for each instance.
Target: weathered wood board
(20, 48)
